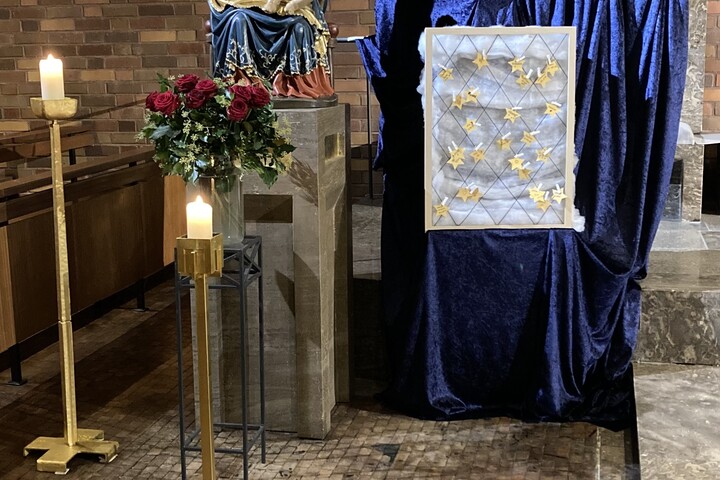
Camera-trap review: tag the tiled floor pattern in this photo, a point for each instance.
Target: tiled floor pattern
(126, 384)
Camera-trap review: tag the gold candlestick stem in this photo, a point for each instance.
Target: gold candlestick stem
(59, 451)
(201, 258)
(207, 445)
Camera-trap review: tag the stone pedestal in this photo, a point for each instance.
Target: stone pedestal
(304, 223)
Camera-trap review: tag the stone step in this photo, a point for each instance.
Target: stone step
(680, 320)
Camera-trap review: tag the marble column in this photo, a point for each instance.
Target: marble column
(692, 113)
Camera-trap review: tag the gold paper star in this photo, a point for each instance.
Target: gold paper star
(457, 152)
(517, 64)
(536, 194)
(480, 60)
(558, 194)
(478, 155)
(446, 73)
(456, 162)
(469, 125)
(511, 115)
(441, 210)
(515, 163)
(457, 102)
(551, 109)
(543, 155)
(475, 195)
(543, 78)
(543, 204)
(523, 80)
(464, 193)
(457, 157)
(504, 143)
(524, 173)
(471, 96)
(528, 138)
(552, 67)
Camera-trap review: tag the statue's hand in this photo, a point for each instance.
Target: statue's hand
(271, 6)
(294, 6)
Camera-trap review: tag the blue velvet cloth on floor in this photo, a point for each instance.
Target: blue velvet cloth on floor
(535, 324)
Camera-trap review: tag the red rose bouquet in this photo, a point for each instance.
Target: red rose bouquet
(213, 128)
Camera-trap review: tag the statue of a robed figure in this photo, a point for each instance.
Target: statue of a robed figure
(280, 41)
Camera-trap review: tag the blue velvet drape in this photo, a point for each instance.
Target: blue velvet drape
(539, 324)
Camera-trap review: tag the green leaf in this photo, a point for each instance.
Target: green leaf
(162, 131)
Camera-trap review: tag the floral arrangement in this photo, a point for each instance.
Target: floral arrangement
(213, 127)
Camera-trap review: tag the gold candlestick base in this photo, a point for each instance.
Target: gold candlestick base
(202, 258)
(59, 451)
(61, 109)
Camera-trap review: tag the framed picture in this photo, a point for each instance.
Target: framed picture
(499, 124)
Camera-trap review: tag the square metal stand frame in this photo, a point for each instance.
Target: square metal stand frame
(248, 261)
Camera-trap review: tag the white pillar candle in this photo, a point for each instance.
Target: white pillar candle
(199, 219)
(51, 79)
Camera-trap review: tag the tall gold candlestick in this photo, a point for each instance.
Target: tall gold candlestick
(59, 451)
(201, 258)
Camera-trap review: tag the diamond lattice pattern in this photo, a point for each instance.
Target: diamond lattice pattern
(460, 121)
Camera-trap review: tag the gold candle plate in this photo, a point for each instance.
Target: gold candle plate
(61, 109)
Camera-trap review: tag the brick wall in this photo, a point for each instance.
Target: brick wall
(711, 107)
(111, 53)
(355, 18)
(112, 50)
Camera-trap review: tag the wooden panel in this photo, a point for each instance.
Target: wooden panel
(107, 252)
(32, 266)
(151, 209)
(7, 324)
(115, 238)
(175, 221)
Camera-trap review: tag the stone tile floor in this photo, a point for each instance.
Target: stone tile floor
(678, 414)
(126, 384)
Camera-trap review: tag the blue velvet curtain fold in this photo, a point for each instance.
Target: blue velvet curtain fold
(536, 324)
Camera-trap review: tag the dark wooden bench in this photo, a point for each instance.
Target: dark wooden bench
(25, 146)
(117, 224)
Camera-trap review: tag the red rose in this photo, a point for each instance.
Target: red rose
(242, 92)
(150, 101)
(167, 102)
(207, 88)
(260, 96)
(186, 83)
(238, 110)
(195, 99)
